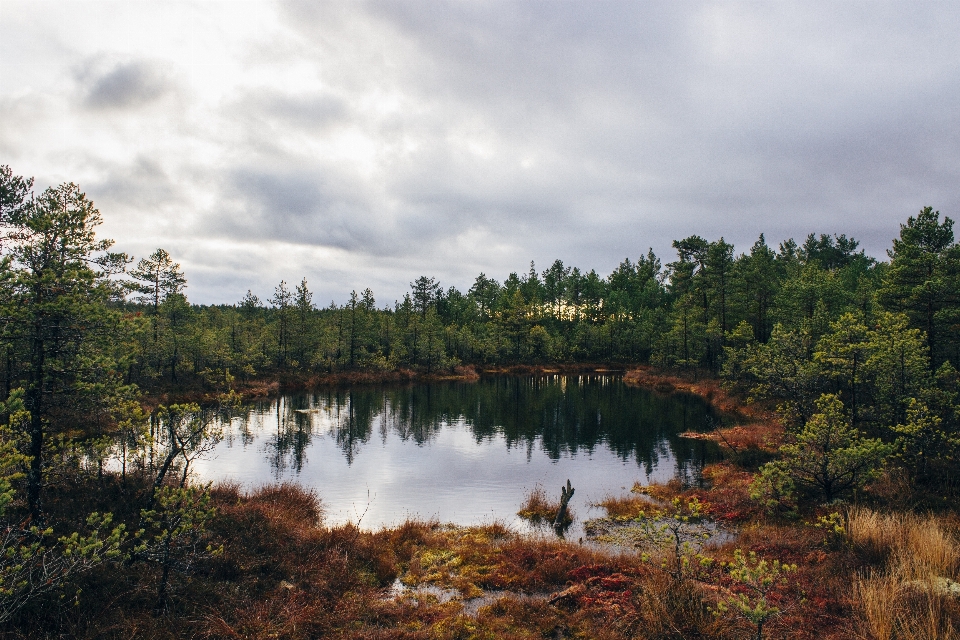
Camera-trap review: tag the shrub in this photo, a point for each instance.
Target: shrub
(830, 455)
(774, 489)
(678, 534)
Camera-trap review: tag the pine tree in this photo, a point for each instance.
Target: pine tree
(923, 280)
(58, 275)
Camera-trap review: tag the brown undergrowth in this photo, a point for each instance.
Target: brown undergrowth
(758, 431)
(284, 574)
(725, 497)
(816, 601)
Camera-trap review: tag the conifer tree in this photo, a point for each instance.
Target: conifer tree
(923, 280)
(58, 278)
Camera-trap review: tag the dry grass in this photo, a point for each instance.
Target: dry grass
(666, 608)
(874, 593)
(890, 606)
(477, 559)
(907, 594)
(539, 509)
(623, 507)
(916, 545)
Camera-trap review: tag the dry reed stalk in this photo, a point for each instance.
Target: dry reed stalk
(538, 508)
(876, 596)
(624, 506)
(877, 534)
(917, 545)
(926, 620)
(929, 550)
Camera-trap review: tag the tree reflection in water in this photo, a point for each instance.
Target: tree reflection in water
(560, 415)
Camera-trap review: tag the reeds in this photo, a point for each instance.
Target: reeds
(874, 594)
(625, 507)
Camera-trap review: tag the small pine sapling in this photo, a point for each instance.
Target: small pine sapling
(836, 526)
(678, 531)
(754, 578)
(32, 561)
(832, 457)
(775, 490)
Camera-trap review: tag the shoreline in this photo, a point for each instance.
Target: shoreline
(755, 426)
(277, 383)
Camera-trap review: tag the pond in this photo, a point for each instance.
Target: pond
(464, 452)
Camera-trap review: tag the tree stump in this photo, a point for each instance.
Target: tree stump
(565, 494)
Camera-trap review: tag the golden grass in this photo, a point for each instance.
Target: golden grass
(916, 559)
(927, 620)
(916, 545)
(874, 594)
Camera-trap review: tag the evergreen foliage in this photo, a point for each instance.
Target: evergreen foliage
(830, 455)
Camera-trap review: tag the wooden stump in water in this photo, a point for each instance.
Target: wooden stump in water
(565, 494)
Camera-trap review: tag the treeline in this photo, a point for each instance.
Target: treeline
(132, 319)
(685, 314)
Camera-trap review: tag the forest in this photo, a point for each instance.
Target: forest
(702, 311)
(845, 364)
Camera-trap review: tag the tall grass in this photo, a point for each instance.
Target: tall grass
(917, 545)
(915, 559)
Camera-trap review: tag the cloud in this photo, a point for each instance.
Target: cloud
(143, 184)
(304, 112)
(298, 207)
(367, 143)
(125, 85)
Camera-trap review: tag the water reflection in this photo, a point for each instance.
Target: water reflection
(497, 436)
(559, 415)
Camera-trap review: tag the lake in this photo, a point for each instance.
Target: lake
(464, 452)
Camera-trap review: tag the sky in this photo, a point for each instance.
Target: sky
(364, 144)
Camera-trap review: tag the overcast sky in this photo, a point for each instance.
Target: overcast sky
(364, 144)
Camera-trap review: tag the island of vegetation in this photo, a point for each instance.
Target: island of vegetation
(832, 514)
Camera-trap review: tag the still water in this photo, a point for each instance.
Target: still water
(462, 452)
